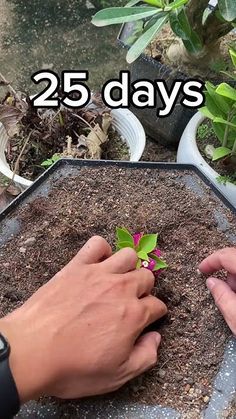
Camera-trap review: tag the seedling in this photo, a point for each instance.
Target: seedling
(49, 162)
(145, 245)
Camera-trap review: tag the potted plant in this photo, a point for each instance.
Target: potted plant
(75, 199)
(187, 36)
(209, 140)
(32, 139)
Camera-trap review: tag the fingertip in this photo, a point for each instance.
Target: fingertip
(211, 283)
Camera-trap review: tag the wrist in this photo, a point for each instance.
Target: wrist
(23, 364)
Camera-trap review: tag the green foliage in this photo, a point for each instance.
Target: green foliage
(220, 108)
(154, 14)
(225, 179)
(147, 244)
(49, 162)
(204, 132)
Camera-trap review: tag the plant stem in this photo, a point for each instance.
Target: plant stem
(225, 140)
(234, 148)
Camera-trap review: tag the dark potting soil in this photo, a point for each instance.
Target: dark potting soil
(194, 333)
(225, 167)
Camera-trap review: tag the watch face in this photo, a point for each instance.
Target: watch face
(4, 348)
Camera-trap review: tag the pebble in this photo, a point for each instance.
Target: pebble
(179, 378)
(190, 381)
(187, 388)
(206, 399)
(30, 241)
(22, 249)
(162, 373)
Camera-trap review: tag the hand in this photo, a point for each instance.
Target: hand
(224, 293)
(78, 335)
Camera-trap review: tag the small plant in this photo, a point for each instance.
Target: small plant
(145, 245)
(204, 132)
(220, 108)
(49, 162)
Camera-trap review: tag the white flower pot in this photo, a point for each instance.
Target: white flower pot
(126, 124)
(189, 153)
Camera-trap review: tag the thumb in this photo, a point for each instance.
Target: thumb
(144, 355)
(225, 300)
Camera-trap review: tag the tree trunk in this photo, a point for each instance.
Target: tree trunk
(213, 29)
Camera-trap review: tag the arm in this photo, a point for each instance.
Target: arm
(224, 293)
(78, 335)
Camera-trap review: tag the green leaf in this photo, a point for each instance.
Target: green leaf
(233, 56)
(160, 263)
(223, 104)
(148, 243)
(179, 24)
(47, 163)
(227, 9)
(123, 245)
(207, 12)
(177, 4)
(123, 235)
(220, 153)
(226, 90)
(223, 121)
(157, 3)
(205, 111)
(139, 46)
(143, 255)
(115, 15)
(181, 27)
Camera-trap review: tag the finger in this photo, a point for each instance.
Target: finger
(225, 300)
(144, 354)
(231, 281)
(121, 262)
(222, 259)
(141, 281)
(95, 250)
(154, 310)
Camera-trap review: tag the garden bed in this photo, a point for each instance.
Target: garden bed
(56, 220)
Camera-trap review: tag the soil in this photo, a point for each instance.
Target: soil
(225, 167)
(212, 72)
(194, 333)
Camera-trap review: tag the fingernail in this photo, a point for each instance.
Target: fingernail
(211, 282)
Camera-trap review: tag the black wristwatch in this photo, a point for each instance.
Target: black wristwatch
(9, 397)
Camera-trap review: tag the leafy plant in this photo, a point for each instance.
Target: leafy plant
(220, 108)
(49, 162)
(197, 24)
(149, 256)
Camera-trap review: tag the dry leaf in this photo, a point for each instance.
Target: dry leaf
(10, 116)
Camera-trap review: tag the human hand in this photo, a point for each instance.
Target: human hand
(78, 335)
(224, 293)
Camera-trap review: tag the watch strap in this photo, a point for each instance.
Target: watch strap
(9, 397)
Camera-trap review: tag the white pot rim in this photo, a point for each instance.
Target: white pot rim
(188, 153)
(124, 121)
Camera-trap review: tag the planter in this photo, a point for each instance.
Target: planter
(125, 123)
(188, 152)
(166, 131)
(174, 200)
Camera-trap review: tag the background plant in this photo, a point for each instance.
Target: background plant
(220, 108)
(198, 25)
(149, 255)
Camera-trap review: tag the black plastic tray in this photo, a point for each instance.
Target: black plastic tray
(225, 383)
